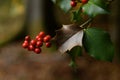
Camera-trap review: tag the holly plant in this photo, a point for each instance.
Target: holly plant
(73, 38)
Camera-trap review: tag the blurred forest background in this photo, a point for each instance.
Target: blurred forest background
(19, 18)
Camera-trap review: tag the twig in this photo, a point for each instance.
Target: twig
(85, 23)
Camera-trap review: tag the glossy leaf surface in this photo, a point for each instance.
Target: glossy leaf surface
(95, 7)
(98, 44)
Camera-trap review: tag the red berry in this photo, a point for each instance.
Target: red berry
(73, 3)
(33, 42)
(40, 39)
(47, 38)
(39, 44)
(84, 1)
(37, 37)
(25, 44)
(26, 41)
(27, 38)
(48, 44)
(37, 50)
(31, 47)
(42, 34)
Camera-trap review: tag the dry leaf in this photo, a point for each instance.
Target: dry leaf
(68, 36)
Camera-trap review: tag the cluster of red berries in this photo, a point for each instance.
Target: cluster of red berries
(36, 44)
(74, 2)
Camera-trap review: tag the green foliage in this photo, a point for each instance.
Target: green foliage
(75, 52)
(98, 44)
(63, 4)
(76, 17)
(95, 7)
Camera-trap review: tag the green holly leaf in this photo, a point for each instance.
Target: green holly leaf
(63, 4)
(75, 51)
(76, 15)
(98, 44)
(95, 7)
